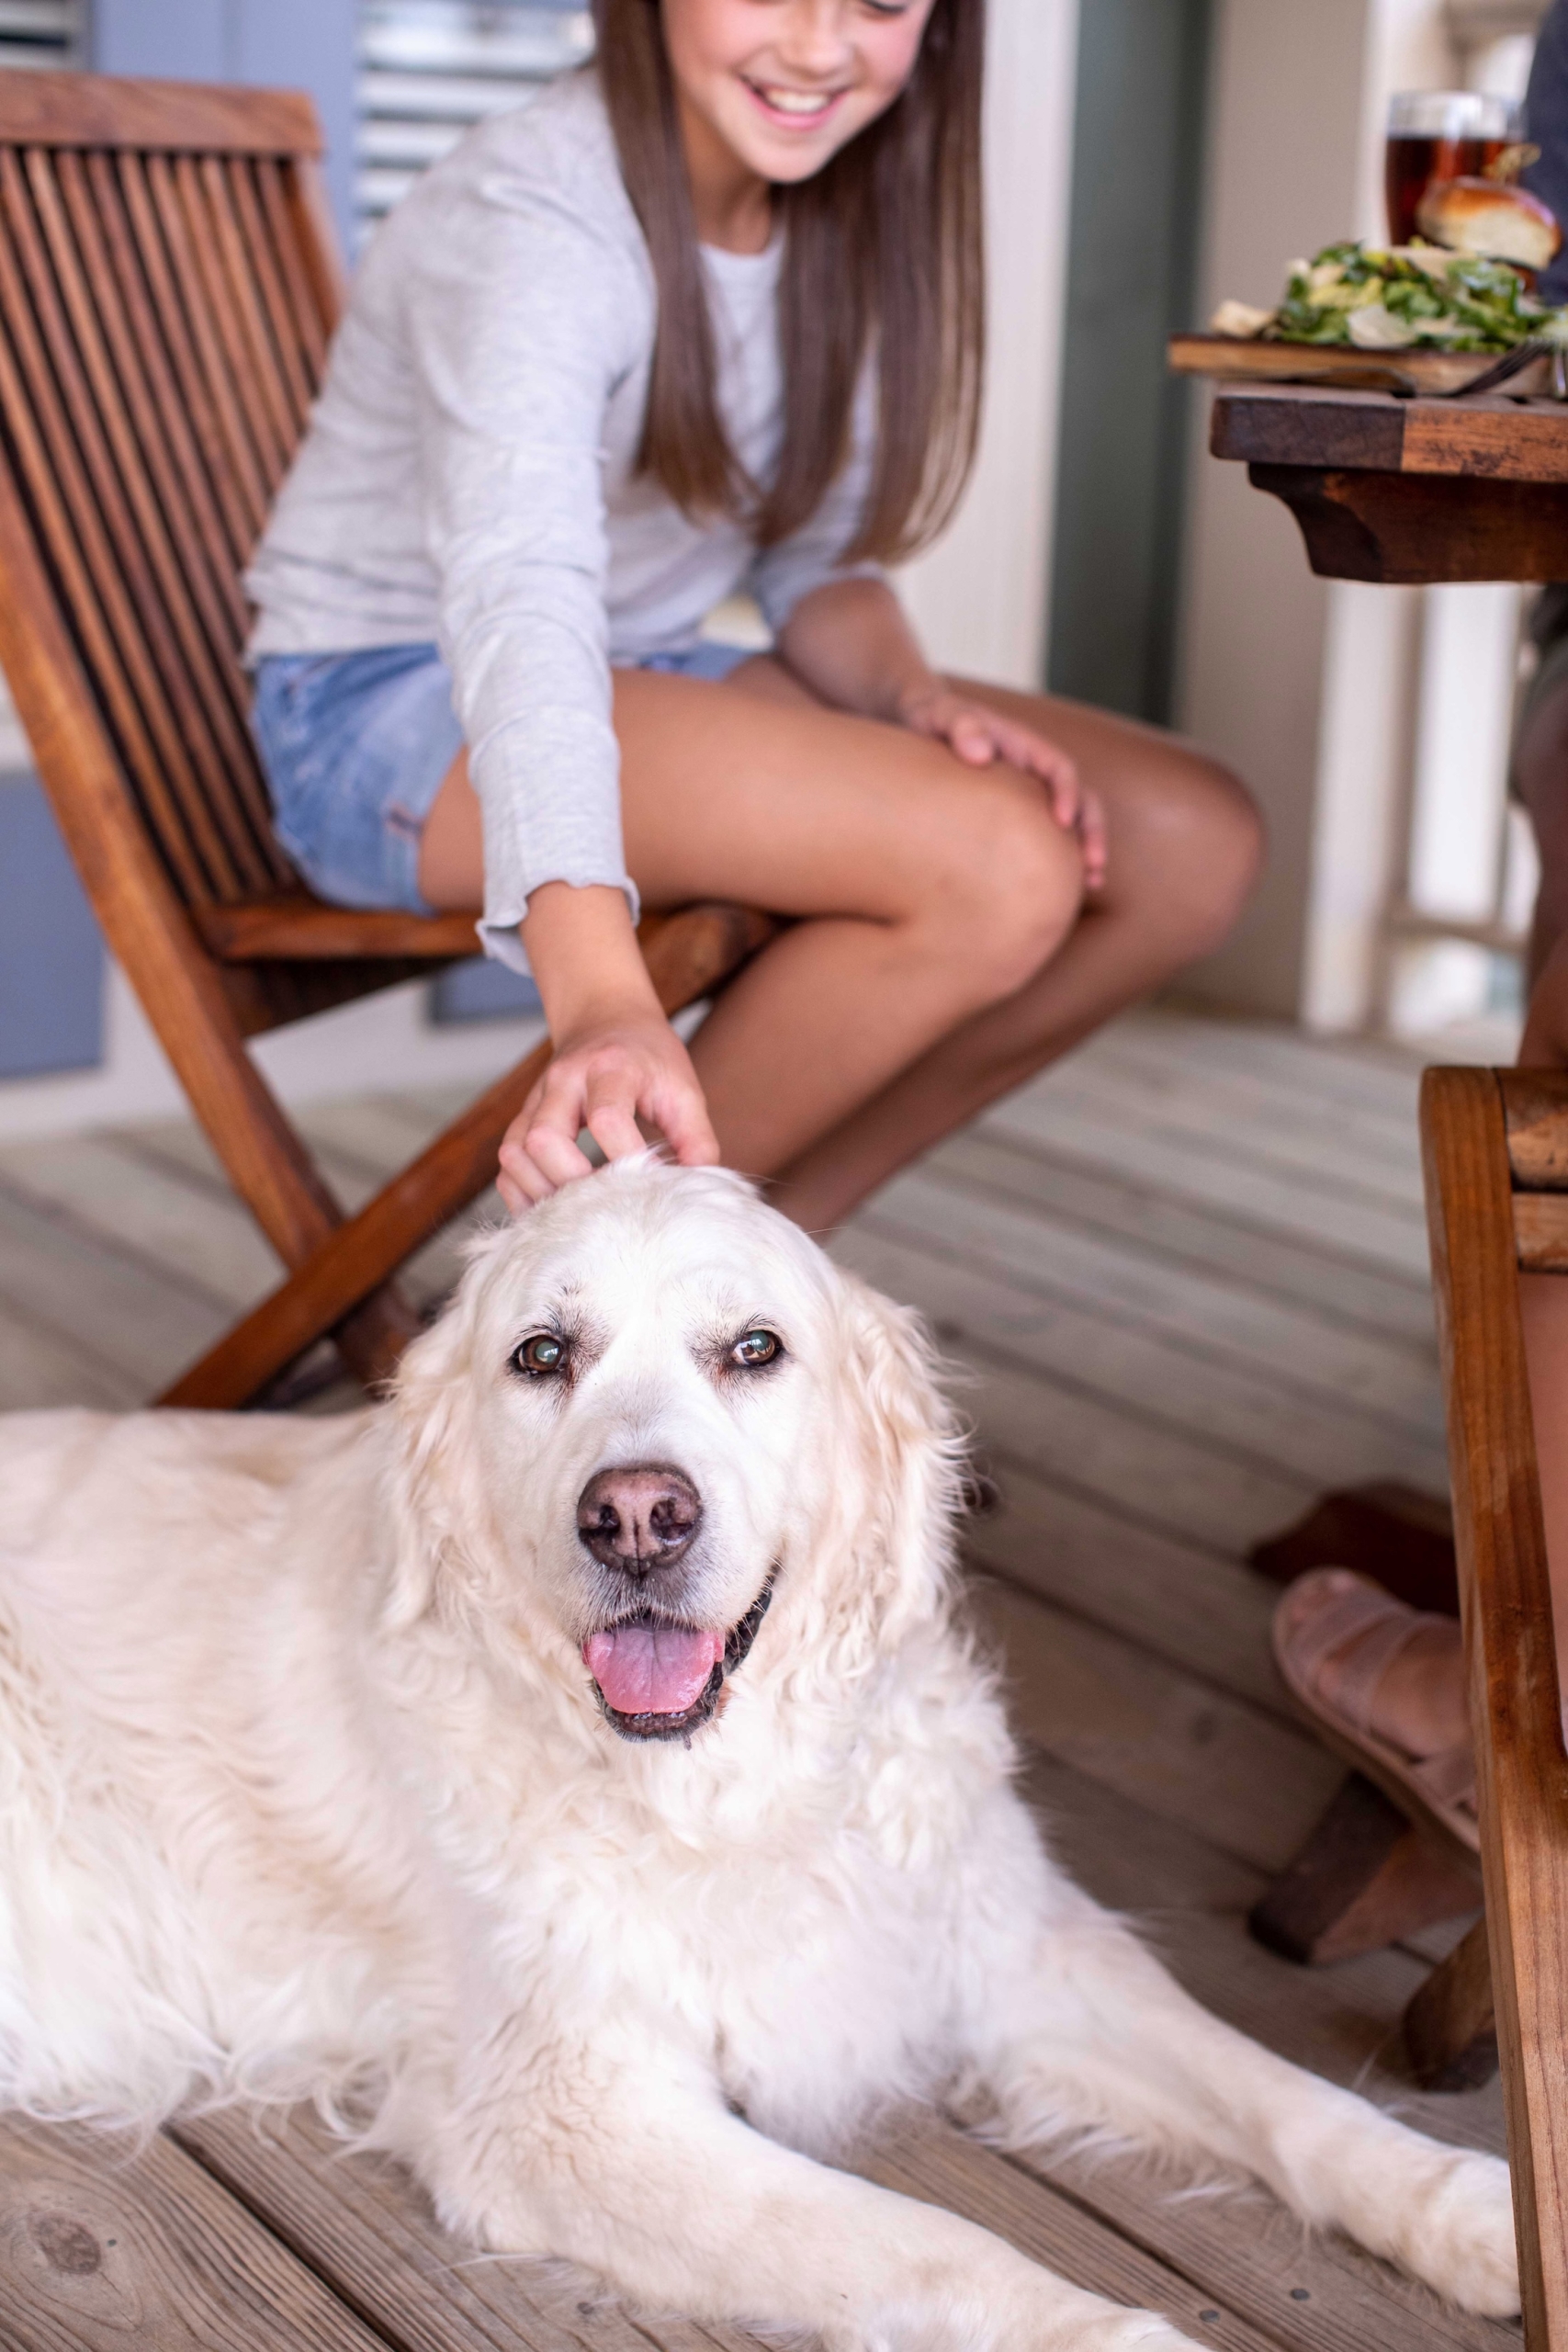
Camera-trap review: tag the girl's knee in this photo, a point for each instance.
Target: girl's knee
(1009, 888)
(1199, 839)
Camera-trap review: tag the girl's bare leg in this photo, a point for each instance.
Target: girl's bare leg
(1185, 843)
(933, 899)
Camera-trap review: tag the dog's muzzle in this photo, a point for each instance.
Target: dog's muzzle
(640, 1518)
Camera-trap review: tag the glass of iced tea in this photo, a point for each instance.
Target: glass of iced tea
(1439, 135)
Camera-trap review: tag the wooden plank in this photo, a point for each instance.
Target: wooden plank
(302, 927)
(1323, 1368)
(1395, 1311)
(1224, 1115)
(1492, 438)
(1362, 1074)
(1311, 1194)
(40, 1367)
(1191, 1901)
(1342, 366)
(1412, 529)
(304, 246)
(104, 2246)
(363, 2224)
(149, 280)
(1254, 2277)
(1342, 2022)
(162, 562)
(1206, 1171)
(1190, 1607)
(1287, 426)
(103, 1184)
(369, 2232)
(1157, 1477)
(127, 1318)
(942, 2168)
(1273, 1425)
(1183, 1751)
(109, 111)
(1369, 1141)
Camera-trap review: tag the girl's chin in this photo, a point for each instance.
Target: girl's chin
(784, 155)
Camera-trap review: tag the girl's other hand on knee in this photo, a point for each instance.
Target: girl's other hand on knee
(605, 1078)
(978, 737)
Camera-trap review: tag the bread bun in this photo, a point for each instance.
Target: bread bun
(1480, 216)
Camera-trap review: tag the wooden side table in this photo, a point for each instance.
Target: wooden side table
(1408, 491)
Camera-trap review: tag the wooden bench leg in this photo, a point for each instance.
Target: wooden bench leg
(1450, 2025)
(1364, 1879)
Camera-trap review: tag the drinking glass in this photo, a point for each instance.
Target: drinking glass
(1438, 135)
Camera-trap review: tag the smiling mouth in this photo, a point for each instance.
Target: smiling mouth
(800, 109)
(657, 1679)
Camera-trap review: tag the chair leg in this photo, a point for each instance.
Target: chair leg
(1450, 2025)
(1364, 1879)
(275, 1176)
(371, 1339)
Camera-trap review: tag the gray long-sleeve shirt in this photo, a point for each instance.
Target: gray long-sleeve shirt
(469, 475)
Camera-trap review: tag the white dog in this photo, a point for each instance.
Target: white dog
(578, 1756)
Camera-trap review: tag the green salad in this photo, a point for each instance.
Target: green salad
(1387, 299)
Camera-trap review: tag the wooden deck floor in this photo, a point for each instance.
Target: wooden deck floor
(1186, 1278)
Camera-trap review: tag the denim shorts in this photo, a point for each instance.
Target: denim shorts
(355, 746)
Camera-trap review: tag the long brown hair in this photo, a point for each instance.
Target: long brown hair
(883, 257)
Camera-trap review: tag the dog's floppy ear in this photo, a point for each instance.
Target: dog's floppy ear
(901, 1488)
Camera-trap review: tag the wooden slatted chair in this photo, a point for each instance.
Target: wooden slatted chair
(168, 285)
(1495, 1148)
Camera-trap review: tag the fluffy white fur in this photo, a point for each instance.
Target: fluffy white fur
(304, 1789)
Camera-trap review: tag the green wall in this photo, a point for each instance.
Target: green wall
(1132, 269)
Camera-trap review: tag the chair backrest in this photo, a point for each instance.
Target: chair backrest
(168, 285)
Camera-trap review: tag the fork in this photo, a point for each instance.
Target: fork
(1512, 362)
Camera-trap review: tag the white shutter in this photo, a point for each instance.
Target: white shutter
(430, 68)
(41, 32)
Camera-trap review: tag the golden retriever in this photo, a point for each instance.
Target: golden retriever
(579, 1763)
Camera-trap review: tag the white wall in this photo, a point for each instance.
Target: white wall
(1373, 645)
(978, 598)
(1286, 140)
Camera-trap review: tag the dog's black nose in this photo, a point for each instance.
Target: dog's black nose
(638, 1518)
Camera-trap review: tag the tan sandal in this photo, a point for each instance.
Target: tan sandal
(1437, 1791)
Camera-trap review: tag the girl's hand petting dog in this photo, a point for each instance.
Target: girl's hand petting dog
(978, 736)
(617, 1058)
(624, 1067)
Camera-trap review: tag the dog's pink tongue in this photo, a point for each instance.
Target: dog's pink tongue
(652, 1669)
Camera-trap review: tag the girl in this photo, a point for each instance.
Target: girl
(706, 316)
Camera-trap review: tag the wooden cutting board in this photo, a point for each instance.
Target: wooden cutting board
(1344, 367)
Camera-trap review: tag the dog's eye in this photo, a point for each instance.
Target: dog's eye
(756, 1347)
(541, 1355)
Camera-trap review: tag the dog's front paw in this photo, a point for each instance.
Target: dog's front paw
(1462, 2242)
(1133, 2332)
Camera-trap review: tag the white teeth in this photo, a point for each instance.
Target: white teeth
(797, 101)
